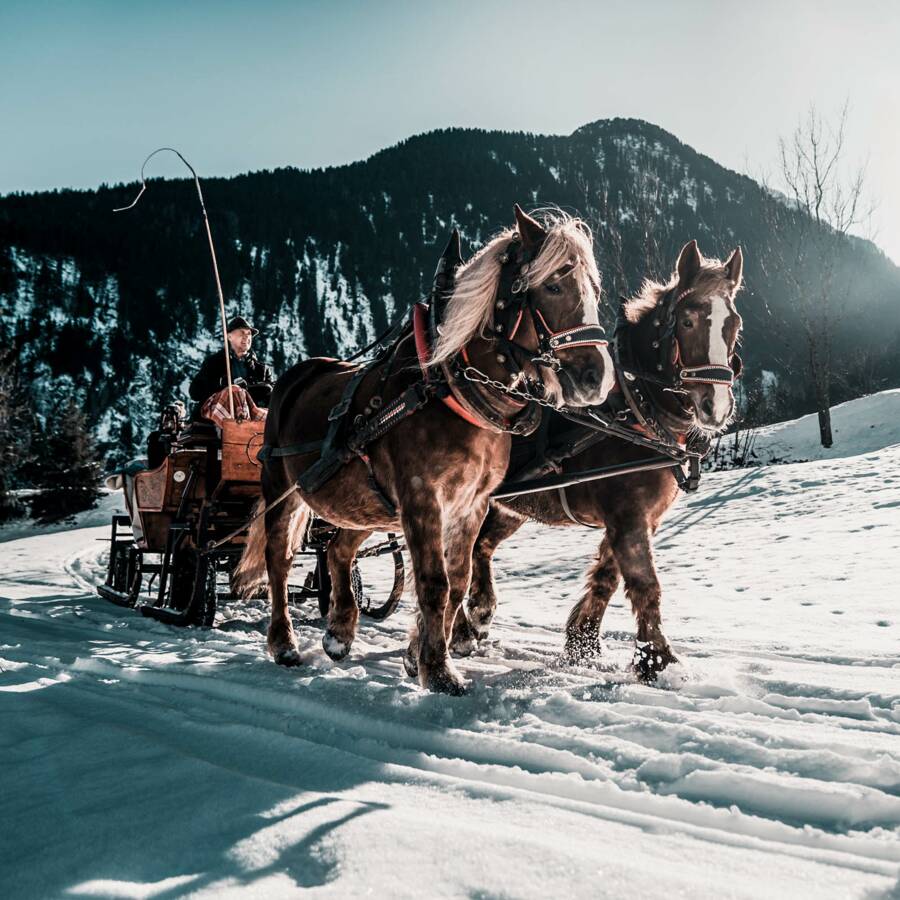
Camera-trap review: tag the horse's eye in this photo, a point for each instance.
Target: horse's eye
(553, 288)
(687, 323)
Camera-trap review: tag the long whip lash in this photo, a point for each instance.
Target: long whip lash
(212, 251)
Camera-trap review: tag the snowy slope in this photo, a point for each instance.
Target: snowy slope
(143, 761)
(858, 426)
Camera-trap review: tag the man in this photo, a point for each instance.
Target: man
(246, 370)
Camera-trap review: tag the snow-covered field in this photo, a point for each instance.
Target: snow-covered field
(142, 761)
(858, 426)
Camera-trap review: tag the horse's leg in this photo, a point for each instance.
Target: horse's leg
(281, 533)
(630, 543)
(583, 626)
(427, 655)
(343, 614)
(459, 571)
(499, 524)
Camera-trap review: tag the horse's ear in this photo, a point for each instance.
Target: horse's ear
(453, 251)
(689, 262)
(530, 229)
(734, 267)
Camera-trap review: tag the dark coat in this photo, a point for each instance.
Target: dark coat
(212, 376)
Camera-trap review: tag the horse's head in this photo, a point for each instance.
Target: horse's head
(685, 334)
(562, 293)
(532, 293)
(706, 330)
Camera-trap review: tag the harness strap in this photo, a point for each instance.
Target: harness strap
(423, 352)
(409, 402)
(564, 501)
(268, 452)
(579, 336)
(332, 457)
(375, 487)
(707, 375)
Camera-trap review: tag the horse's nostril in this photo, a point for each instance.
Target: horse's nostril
(707, 406)
(591, 377)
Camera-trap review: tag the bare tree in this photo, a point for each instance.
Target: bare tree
(821, 202)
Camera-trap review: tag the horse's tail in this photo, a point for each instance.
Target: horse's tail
(250, 574)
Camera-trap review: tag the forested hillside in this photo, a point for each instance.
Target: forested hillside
(118, 309)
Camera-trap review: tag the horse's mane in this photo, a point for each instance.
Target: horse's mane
(712, 273)
(470, 311)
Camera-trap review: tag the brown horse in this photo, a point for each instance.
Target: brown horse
(432, 472)
(685, 374)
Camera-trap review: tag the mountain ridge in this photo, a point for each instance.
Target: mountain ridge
(119, 307)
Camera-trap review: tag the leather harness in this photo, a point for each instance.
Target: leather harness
(628, 414)
(468, 399)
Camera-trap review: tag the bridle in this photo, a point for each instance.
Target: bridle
(474, 391)
(669, 355)
(513, 300)
(635, 382)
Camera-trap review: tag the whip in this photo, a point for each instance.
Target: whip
(212, 252)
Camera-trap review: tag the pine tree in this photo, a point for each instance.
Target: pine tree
(16, 429)
(64, 467)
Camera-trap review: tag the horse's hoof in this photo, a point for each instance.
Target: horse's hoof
(444, 681)
(411, 662)
(464, 640)
(649, 661)
(583, 647)
(465, 646)
(577, 655)
(481, 625)
(334, 646)
(289, 657)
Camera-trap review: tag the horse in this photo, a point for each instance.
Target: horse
(520, 322)
(677, 341)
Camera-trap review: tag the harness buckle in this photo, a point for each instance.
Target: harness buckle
(519, 286)
(339, 409)
(547, 359)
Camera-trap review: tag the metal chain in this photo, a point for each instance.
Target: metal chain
(470, 373)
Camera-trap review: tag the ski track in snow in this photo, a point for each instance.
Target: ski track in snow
(145, 761)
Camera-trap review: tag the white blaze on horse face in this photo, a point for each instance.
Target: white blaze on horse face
(592, 317)
(718, 355)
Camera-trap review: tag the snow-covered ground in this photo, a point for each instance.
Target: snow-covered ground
(138, 760)
(858, 426)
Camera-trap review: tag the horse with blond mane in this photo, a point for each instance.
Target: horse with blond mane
(423, 455)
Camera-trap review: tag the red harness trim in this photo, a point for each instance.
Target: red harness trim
(423, 352)
(515, 328)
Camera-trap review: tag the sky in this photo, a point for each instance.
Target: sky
(88, 88)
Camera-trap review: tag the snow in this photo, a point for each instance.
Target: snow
(350, 320)
(858, 426)
(145, 761)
